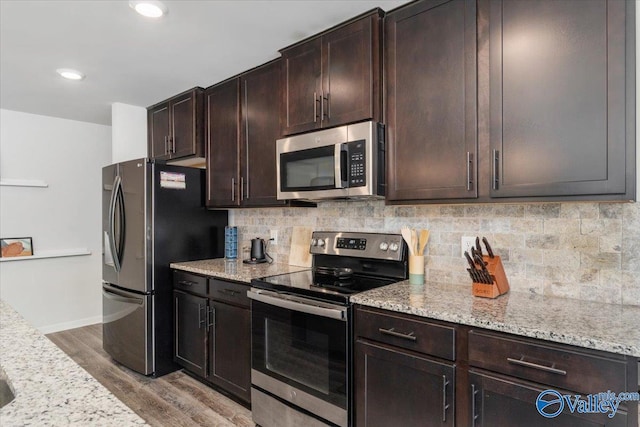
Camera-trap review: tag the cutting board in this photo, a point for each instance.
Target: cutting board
(300, 240)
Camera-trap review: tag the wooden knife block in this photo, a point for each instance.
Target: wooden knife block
(499, 286)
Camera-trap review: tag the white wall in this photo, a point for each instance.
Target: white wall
(129, 132)
(57, 293)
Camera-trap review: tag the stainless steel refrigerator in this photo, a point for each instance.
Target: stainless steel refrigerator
(152, 214)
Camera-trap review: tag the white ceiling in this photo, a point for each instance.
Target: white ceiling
(135, 60)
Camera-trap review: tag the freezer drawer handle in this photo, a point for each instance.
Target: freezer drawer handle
(550, 369)
(114, 295)
(302, 305)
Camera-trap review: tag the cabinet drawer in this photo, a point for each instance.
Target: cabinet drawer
(234, 293)
(410, 333)
(190, 282)
(567, 368)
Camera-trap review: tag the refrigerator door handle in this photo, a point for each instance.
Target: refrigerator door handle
(117, 184)
(117, 296)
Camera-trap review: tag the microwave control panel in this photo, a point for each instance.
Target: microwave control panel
(357, 161)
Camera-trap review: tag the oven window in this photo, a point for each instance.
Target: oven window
(312, 169)
(305, 351)
(298, 354)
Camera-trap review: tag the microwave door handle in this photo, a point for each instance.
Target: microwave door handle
(341, 172)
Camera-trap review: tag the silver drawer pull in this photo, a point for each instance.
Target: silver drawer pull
(536, 366)
(410, 336)
(186, 283)
(231, 292)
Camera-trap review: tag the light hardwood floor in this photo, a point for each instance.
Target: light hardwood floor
(175, 399)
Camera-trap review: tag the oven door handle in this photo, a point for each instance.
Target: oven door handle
(303, 305)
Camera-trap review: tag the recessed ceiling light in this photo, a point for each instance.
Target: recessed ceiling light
(70, 74)
(149, 8)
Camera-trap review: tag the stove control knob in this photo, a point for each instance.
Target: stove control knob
(384, 246)
(320, 243)
(394, 247)
(314, 242)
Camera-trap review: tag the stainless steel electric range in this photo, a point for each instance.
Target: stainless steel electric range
(301, 328)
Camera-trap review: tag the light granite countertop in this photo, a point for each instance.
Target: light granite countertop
(50, 388)
(607, 327)
(234, 269)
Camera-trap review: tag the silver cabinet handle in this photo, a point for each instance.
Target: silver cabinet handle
(496, 169)
(211, 314)
(201, 322)
(230, 292)
(321, 99)
(550, 369)
(302, 305)
(315, 107)
(474, 417)
(187, 283)
(233, 189)
(166, 144)
(469, 171)
(173, 143)
(241, 188)
(410, 336)
(445, 383)
(328, 100)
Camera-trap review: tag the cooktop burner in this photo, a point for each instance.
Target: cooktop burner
(344, 264)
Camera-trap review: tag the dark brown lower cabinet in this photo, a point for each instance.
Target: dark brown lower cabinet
(401, 388)
(190, 331)
(230, 349)
(407, 370)
(499, 401)
(212, 332)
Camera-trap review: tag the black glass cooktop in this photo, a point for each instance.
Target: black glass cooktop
(331, 287)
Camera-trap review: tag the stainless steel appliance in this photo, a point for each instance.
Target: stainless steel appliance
(301, 331)
(152, 215)
(343, 162)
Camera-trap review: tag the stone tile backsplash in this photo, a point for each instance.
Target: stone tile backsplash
(587, 251)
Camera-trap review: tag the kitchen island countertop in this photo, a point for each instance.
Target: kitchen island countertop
(234, 269)
(599, 326)
(50, 388)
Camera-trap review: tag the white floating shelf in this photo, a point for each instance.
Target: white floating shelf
(23, 183)
(50, 254)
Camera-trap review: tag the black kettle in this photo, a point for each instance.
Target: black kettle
(258, 250)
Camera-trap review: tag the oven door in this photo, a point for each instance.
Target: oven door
(300, 352)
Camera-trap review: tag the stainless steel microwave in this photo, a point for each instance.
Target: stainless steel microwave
(346, 162)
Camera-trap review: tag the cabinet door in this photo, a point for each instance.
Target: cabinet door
(350, 73)
(190, 317)
(186, 125)
(260, 99)
(301, 87)
(230, 349)
(499, 401)
(158, 128)
(222, 119)
(394, 388)
(432, 106)
(557, 77)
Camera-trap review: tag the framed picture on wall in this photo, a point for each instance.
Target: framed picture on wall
(16, 246)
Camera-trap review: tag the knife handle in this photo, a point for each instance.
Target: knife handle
(488, 246)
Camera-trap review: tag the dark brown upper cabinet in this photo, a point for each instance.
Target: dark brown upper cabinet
(333, 78)
(176, 129)
(222, 118)
(561, 98)
(242, 129)
(528, 100)
(431, 101)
